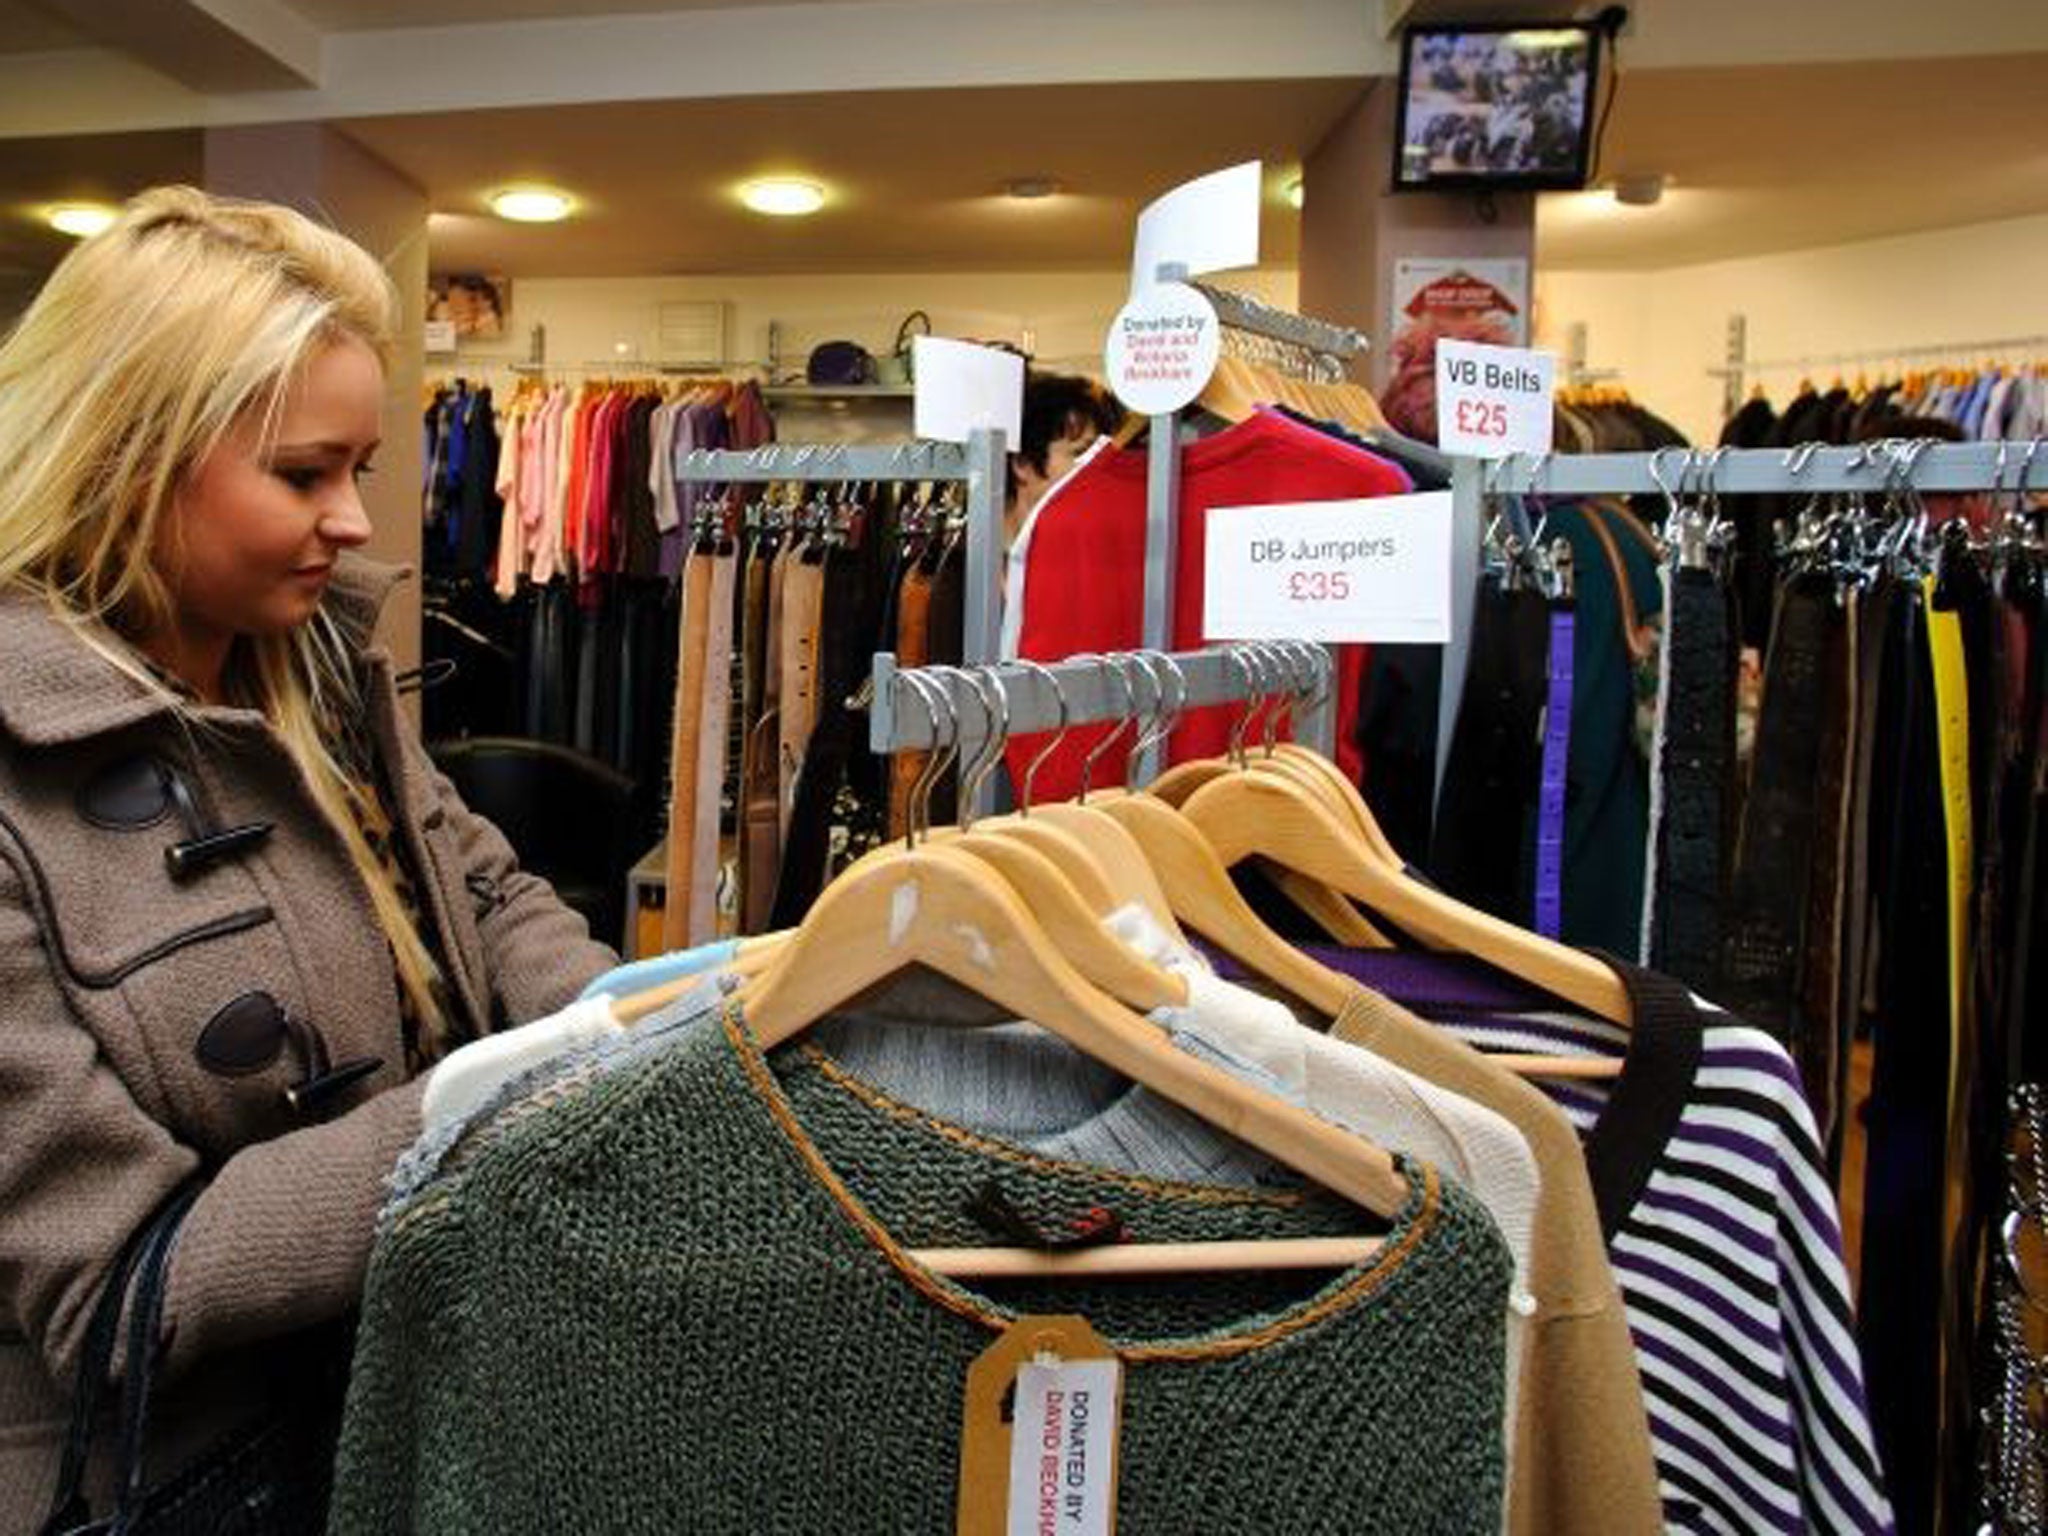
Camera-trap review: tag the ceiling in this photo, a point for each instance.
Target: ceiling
(1764, 157)
(364, 15)
(24, 28)
(1777, 158)
(102, 168)
(915, 177)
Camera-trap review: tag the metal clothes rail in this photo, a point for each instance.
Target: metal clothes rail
(1739, 366)
(1873, 467)
(980, 463)
(1936, 466)
(1087, 689)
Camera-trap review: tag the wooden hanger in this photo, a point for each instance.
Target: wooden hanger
(1200, 889)
(1328, 910)
(1078, 932)
(939, 908)
(1130, 875)
(1260, 815)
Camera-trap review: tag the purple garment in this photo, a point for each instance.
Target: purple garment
(697, 426)
(1550, 793)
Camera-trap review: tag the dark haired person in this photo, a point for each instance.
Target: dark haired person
(1063, 414)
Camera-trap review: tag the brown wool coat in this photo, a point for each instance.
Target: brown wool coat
(109, 971)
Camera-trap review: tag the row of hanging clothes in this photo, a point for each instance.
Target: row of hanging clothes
(787, 591)
(1994, 402)
(1275, 424)
(1860, 878)
(1849, 859)
(1605, 418)
(554, 534)
(1033, 1149)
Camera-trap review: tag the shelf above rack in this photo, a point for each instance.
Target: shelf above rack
(839, 391)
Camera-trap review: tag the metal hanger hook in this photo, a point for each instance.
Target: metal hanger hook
(1038, 759)
(1109, 670)
(1657, 477)
(1270, 683)
(1287, 677)
(1235, 658)
(1132, 665)
(988, 687)
(919, 806)
(958, 759)
(1177, 702)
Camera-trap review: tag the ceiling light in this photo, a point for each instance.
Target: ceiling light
(1028, 187)
(531, 205)
(1294, 193)
(784, 197)
(81, 219)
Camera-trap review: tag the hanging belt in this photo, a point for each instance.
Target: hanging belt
(1550, 795)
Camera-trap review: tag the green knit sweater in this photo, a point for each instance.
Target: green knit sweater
(670, 1299)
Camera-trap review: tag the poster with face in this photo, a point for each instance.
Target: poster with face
(476, 304)
(1474, 300)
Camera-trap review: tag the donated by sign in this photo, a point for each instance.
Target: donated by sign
(1162, 348)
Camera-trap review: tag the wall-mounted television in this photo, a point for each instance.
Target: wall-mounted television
(1501, 107)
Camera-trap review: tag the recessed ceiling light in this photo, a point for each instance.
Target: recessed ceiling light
(531, 205)
(1029, 187)
(784, 197)
(80, 219)
(1294, 193)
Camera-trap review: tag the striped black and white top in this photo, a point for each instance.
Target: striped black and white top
(1724, 1236)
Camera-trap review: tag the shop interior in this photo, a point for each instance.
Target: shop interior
(1813, 223)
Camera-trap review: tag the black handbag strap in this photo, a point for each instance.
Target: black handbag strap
(145, 1345)
(145, 1252)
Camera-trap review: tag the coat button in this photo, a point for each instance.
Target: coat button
(126, 794)
(243, 1036)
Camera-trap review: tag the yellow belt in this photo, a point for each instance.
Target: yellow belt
(1952, 713)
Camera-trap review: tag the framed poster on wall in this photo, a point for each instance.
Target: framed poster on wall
(477, 304)
(1482, 300)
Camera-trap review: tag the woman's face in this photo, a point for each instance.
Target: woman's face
(250, 539)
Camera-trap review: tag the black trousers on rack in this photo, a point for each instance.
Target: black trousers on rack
(1899, 1312)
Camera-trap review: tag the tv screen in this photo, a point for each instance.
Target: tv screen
(1496, 106)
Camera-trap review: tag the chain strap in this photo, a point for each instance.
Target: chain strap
(2014, 1465)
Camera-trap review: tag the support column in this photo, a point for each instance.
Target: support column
(330, 177)
(1354, 229)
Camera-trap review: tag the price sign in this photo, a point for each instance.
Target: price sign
(1375, 570)
(961, 386)
(1493, 401)
(1162, 348)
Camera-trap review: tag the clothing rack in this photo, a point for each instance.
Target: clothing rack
(980, 463)
(1936, 466)
(1085, 690)
(1162, 491)
(1739, 366)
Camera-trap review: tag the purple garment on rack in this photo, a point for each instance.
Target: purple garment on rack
(697, 426)
(1550, 798)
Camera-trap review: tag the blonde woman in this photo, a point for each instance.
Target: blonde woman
(240, 914)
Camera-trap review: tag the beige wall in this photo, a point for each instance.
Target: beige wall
(1663, 330)
(1064, 315)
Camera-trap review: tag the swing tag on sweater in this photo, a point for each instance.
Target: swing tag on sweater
(1038, 1447)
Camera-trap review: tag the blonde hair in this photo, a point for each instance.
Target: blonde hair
(148, 344)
